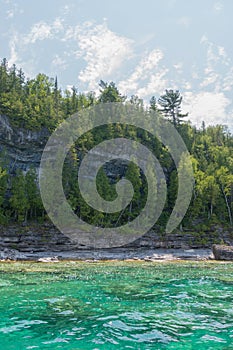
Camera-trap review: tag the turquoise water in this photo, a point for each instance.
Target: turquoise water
(119, 305)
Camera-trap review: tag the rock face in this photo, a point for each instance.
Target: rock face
(23, 147)
(46, 237)
(223, 252)
(23, 150)
(11, 254)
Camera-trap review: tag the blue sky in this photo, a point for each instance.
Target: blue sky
(143, 46)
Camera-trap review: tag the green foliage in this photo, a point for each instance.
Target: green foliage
(19, 199)
(109, 93)
(3, 189)
(171, 105)
(39, 102)
(33, 194)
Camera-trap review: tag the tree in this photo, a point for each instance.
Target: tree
(109, 93)
(66, 105)
(153, 104)
(3, 189)
(56, 96)
(171, 105)
(136, 102)
(74, 99)
(19, 200)
(134, 176)
(3, 75)
(225, 180)
(33, 194)
(209, 191)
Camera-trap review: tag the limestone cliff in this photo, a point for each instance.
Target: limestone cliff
(23, 148)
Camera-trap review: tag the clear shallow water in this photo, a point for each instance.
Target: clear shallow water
(118, 305)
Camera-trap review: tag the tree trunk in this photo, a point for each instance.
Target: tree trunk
(211, 209)
(228, 206)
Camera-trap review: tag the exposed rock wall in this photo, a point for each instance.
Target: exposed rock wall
(44, 237)
(23, 150)
(23, 147)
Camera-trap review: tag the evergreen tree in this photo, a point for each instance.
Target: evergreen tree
(171, 105)
(134, 176)
(33, 194)
(38, 102)
(153, 104)
(3, 189)
(19, 200)
(109, 93)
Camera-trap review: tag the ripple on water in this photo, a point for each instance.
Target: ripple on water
(118, 306)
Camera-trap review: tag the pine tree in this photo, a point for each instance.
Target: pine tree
(109, 93)
(171, 105)
(153, 104)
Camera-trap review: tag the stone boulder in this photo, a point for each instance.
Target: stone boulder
(222, 252)
(11, 254)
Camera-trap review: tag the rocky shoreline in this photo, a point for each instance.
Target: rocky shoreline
(43, 242)
(46, 237)
(109, 254)
(218, 252)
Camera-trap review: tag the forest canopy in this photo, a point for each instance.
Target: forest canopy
(40, 103)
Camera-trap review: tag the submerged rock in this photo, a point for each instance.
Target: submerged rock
(222, 252)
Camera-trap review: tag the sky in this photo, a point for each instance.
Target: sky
(144, 46)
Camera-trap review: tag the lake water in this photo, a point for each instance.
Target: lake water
(120, 305)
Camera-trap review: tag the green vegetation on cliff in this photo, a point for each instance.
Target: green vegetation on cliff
(37, 103)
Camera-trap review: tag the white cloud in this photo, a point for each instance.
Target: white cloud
(151, 61)
(208, 106)
(14, 10)
(211, 78)
(227, 80)
(216, 61)
(178, 67)
(43, 30)
(222, 51)
(103, 51)
(13, 50)
(10, 13)
(204, 39)
(144, 74)
(103, 54)
(22, 54)
(57, 25)
(59, 62)
(218, 6)
(40, 31)
(186, 85)
(157, 83)
(210, 100)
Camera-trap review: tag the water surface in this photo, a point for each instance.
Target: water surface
(116, 305)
